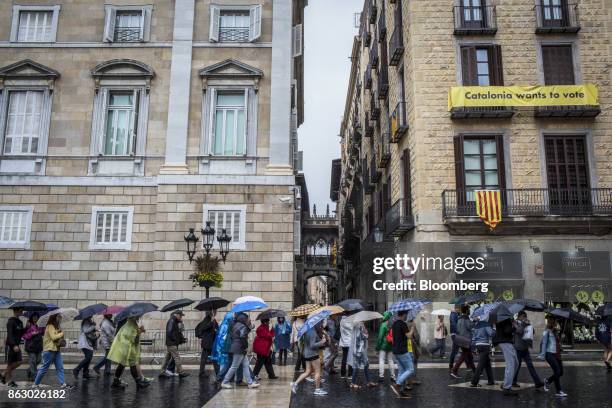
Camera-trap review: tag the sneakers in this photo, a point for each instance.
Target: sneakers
(226, 386)
(293, 387)
(254, 385)
(454, 374)
(97, 370)
(34, 386)
(561, 394)
(510, 391)
(75, 374)
(12, 384)
(183, 374)
(320, 392)
(405, 395)
(117, 383)
(546, 385)
(396, 389)
(63, 386)
(472, 385)
(310, 379)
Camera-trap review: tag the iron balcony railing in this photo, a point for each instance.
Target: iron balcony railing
(375, 173)
(383, 150)
(374, 107)
(367, 78)
(369, 128)
(557, 18)
(399, 122)
(234, 34)
(383, 81)
(571, 111)
(382, 26)
(368, 188)
(127, 34)
(374, 57)
(398, 218)
(482, 112)
(396, 46)
(534, 202)
(475, 20)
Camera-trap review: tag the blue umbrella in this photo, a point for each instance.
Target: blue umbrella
(409, 304)
(5, 302)
(248, 306)
(135, 310)
(90, 311)
(312, 321)
(50, 307)
(482, 311)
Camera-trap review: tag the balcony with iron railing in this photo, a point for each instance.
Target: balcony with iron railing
(399, 122)
(234, 34)
(396, 45)
(383, 81)
(375, 172)
(368, 187)
(374, 57)
(382, 26)
(368, 126)
(568, 111)
(534, 210)
(367, 78)
(471, 20)
(366, 35)
(399, 219)
(127, 34)
(383, 150)
(374, 107)
(557, 18)
(482, 112)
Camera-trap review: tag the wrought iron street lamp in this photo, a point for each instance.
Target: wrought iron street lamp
(224, 241)
(192, 242)
(208, 235)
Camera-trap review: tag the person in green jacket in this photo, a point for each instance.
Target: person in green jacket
(384, 349)
(125, 351)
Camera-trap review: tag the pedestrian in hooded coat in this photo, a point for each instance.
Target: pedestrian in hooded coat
(346, 334)
(282, 339)
(358, 355)
(300, 363)
(504, 339)
(14, 331)
(206, 330)
(523, 341)
(262, 346)
(107, 334)
(313, 341)
(384, 349)
(221, 346)
(239, 335)
(125, 351)
(88, 342)
(33, 337)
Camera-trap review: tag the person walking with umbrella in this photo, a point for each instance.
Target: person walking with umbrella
(359, 355)
(107, 334)
(206, 331)
(282, 338)
(239, 335)
(453, 319)
(504, 339)
(14, 331)
(262, 346)
(346, 338)
(313, 342)
(88, 341)
(33, 337)
(401, 335)
(462, 339)
(53, 340)
(174, 338)
(523, 341)
(481, 338)
(551, 352)
(300, 363)
(384, 349)
(125, 352)
(440, 334)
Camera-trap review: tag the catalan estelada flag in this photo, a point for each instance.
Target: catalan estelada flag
(489, 207)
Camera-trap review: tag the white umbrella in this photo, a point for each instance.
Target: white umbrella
(363, 316)
(245, 299)
(68, 313)
(441, 312)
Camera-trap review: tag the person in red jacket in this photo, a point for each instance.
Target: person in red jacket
(262, 346)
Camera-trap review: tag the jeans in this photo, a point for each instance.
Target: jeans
(84, 364)
(239, 360)
(223, 369)
(264, 361)
(440, 346)
(453, 354)
(388, 355)
(172, 354)
(466, 355)
(557, 367)
(49, 357)
(484, 363)
(34, 359)
(345, 351)
(104, 362)
(204, 360)
(511, 361)
(524, 355)
(366, 372)
(405, 368)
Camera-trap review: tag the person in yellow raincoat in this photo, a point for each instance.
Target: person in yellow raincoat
(125, 351)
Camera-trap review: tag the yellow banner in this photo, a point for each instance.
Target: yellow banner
(538, 95)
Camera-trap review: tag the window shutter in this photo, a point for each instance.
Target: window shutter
(100, 134)
(297, 40)
(247, 113)
(497, 66)
(558, 64)
(406, 180)
(459, 173)
(469, 75)
(143, 20)
(215, 15)
(501, 166)
(255, 23)
(211, 120)
(134, 122)
(109, 24)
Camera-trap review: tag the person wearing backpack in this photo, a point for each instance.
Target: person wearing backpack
(33, 337)
(383, 346)
(206, 331)
(523, 341)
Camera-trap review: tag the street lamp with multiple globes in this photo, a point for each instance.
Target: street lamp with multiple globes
(208, 237)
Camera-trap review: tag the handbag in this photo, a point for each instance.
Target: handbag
(61, 343)
(462, 341)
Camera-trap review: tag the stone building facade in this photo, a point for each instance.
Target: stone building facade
(126, 123)
(410, 165)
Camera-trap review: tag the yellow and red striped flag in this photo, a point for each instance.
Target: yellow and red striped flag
(489, 207)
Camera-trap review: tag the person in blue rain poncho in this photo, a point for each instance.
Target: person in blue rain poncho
(221, 346)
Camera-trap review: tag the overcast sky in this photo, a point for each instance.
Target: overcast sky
(329, 31)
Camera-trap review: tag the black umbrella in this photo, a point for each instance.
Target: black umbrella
(135, 310)
(530, 305)
(569, 314)
(270, 314)
(351, 305)
(500, 313)
(212, 303)
(90, 311)
(176, 304)
(29, 306)
(604, 310)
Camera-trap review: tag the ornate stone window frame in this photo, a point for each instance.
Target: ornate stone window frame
(237, 243)
(110, 16)
(17, 9)
(230, 75)
(115, 246)
(26, 75)
(119, 75)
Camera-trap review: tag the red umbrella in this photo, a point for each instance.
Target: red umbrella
(112, 310)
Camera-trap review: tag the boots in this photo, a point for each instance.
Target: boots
(141, 383)
(117, 383)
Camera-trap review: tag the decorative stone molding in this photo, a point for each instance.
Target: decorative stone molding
(28, 70)
(121, 69)
(230, 69)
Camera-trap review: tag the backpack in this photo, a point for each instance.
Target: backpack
(199, 330)
(389, 337)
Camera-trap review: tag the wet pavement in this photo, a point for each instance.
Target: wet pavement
(587, 386)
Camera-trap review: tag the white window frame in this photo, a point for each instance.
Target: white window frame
(123, 246)
(255, 18)
(28, 210)
(297, 37)
(17, 9)
(111, 16)
(235, 244)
